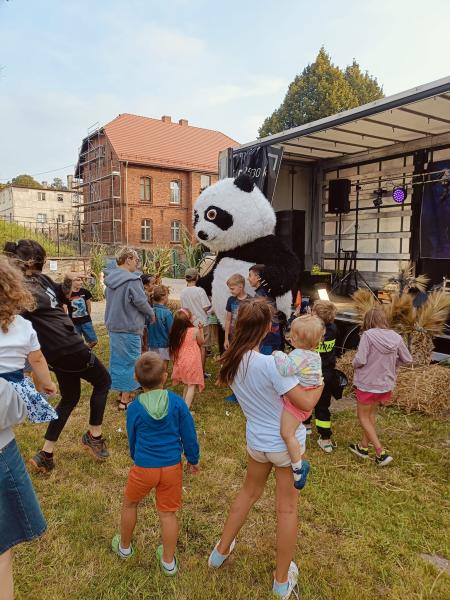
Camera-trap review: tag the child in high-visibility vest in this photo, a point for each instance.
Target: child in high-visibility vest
(326, 311)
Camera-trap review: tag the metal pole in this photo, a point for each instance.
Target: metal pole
(57, 235)
(79, 237)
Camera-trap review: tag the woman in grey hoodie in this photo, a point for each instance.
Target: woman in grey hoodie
(127, 308)
(380, 352)
(21, 518)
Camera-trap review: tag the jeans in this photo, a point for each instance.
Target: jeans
(21, 519)
(69, 371)
(87, 331)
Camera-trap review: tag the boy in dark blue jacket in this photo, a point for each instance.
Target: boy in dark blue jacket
(160, 428)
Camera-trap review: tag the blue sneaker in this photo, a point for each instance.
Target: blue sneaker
(303, 472)
(216, 560)
(231, 398)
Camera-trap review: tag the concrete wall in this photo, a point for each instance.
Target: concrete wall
(25, 204)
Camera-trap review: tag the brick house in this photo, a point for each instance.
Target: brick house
(140, 177)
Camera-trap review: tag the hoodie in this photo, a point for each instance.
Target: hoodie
(379, 354)
(127, 304)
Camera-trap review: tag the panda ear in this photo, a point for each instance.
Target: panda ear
(244, 183)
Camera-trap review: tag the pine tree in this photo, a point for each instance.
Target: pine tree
(321, 90)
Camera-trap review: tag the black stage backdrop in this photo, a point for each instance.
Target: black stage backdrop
(435, 216)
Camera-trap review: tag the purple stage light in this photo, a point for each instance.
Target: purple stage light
(399, 194)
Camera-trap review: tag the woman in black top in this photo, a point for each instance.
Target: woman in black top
(67, 355)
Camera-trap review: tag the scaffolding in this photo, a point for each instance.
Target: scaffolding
(98, 176)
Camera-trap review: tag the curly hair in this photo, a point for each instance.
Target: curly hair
(325, 310)
(14, 295)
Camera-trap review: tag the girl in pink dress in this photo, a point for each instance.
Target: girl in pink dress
(185, 342)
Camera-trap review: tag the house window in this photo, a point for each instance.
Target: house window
(145, 189)
(41, 195)
(205, 181)
(175, 193)
(146, 230)
(175, 231)
(41, 218)
(61, 218)
(60, 197)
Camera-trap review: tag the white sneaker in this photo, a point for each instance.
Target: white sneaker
(326, 445)
(308, 429)
(292, 581)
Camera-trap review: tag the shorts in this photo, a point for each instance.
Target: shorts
(21, 518)
(163, 353)
(368, 398)
(167, 482)
(301, 415)
(278, 459)
(87, 331)
(207, 336)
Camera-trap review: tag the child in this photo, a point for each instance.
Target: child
(304, 362)
(160, 427)
(380, 352)
(21, 516)
(79, 306)
(19, 343)
(158, 331)
(236, 285)
(326, 311)
(273, 340)
(195, 299)
(185, 342)
(148, 281)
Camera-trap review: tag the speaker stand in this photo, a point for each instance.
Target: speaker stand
(352, 273)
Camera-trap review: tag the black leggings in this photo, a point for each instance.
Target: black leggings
(69, 383)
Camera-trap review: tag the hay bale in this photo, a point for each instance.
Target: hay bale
(424, 389)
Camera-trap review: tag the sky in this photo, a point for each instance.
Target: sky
(70, 65)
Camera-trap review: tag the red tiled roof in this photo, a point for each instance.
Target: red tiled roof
(162, 143)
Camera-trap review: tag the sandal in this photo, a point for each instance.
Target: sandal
(122, 406)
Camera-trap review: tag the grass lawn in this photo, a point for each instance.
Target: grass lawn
(361, 531)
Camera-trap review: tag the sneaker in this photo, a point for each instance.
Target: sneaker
(308, 429)
(115, 545)
(292, 586)
(231, 398)
(206, 375)
(384, 459)
(42, 463)
(216, 559)
(96, 447)
(299, 484)
(167, 573)
(361, 452)
(326, 445)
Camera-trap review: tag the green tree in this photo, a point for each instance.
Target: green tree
(57, 183)
(25, 180)
(321, 90)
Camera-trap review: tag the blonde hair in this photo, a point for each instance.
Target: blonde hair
(160, 292)
(236, 279)
(123, 253)
(375, 318)
(15, 297)
(325, 310)
(68, 281)
(307, 332)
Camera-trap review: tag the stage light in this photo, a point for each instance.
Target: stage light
(323, 294)
(378, 200)
(399, 194)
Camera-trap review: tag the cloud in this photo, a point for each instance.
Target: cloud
(223, 93)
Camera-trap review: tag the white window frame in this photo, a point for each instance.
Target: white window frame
(146, 229)
(202, 186)
(175, 192)
(143, 188)
(41, 196)
(175, 231)
(41, 217)
(60, 197)
(61, 218)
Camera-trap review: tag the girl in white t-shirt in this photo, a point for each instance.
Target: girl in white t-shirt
(19, 344)
(258, 386)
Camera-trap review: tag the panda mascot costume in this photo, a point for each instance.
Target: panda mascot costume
(234, 219)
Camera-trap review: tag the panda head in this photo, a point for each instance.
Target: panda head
(231, 213)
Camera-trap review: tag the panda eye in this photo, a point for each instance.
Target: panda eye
(211, 214)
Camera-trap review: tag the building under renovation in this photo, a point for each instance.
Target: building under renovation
(139, 178)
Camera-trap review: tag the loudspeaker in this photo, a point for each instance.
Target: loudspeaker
(338, 195)
(290, 228)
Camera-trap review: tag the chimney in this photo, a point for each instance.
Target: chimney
(166, 119)
(183, 122)
(44, 184)
(69, 182)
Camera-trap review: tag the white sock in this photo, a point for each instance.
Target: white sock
(169, 566)
(124, 551)
(295, 466)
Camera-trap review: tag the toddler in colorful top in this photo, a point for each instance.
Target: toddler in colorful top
(304, 362)
(160, 428)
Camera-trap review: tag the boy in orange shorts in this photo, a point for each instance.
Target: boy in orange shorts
(160, 427)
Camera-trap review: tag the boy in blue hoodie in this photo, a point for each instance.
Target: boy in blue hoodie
(159, 330)
(160, 428)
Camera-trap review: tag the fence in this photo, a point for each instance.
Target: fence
(59, 239)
